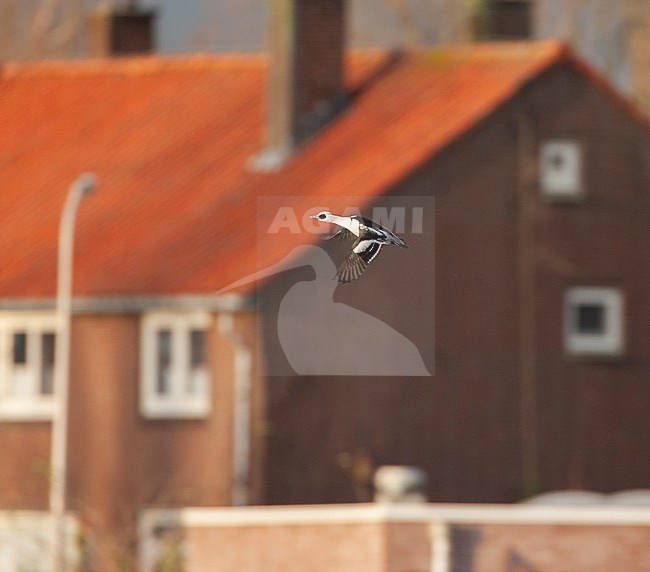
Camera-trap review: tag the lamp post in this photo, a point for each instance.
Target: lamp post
(83, 185)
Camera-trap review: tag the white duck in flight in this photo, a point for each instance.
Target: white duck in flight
(370, 237)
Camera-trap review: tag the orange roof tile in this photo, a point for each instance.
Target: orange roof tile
(171, 140)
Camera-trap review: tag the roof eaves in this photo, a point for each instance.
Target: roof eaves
(231, 302)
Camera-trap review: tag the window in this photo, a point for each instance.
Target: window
(175, 379)
(560, 169)
(27, 346)
(594, 321)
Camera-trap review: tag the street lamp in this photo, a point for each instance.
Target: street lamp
(83, 185)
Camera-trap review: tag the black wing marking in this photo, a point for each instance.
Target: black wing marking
(371, 224)
(363, 253)
(342, 233)
(369, 229)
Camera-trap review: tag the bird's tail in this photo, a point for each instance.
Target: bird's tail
(399, 242)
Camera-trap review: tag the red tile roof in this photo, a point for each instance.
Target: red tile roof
(171, 141)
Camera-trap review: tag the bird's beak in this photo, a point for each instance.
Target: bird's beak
(313, 216)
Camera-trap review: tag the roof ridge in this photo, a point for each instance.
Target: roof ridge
(547, 48)
(129, 65)
(156, 63)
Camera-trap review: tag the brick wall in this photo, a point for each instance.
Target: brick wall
(120, 460)
(408, 538)
(540, 547)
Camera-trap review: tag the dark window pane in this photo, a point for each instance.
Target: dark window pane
(20, 385)
(591, 318)
(47, 364)
(20, 348)
(197, 381)
(163, 365)
(197, 344)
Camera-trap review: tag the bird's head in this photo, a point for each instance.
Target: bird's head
(323, 216)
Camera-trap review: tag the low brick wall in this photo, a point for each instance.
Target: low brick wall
(400, 538)
(306, 548)
(547, 547)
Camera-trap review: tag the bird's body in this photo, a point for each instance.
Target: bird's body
(370, 237)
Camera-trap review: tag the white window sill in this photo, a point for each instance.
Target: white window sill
(597, 355)
(22, 411)
(599, 347)
(163, 410)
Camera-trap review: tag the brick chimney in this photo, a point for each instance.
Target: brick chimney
(115, 31)
(306, 76)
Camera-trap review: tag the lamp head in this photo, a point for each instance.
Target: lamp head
(86, 183)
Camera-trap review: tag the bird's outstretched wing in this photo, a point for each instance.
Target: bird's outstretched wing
(341, 233)
(363, 253)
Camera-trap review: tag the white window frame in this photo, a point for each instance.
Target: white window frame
(608, 343)
(178, 403)
(567, 186)
(32, 405)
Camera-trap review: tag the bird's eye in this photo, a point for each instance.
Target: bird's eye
(321, 216)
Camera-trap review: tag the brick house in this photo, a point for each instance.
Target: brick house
(517, 371)
(184, 396)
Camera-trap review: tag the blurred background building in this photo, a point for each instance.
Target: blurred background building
(540, 172)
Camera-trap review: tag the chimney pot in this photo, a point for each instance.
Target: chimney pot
(398, 483)
(121, 31)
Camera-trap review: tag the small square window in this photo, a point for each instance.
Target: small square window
(560, 169)
(175, 379)
(594, 321)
